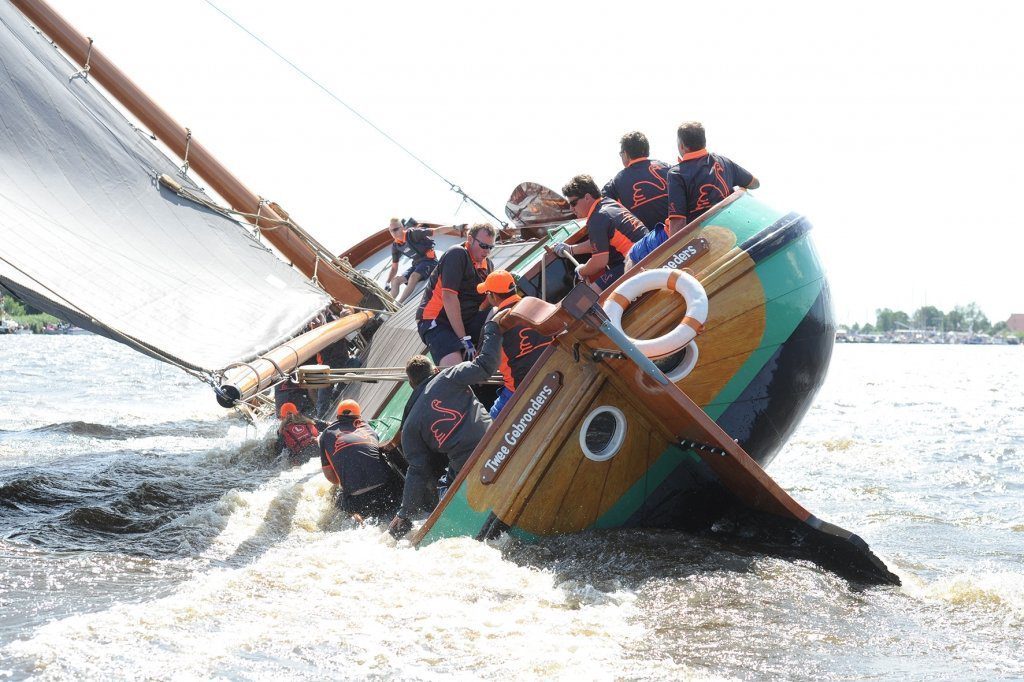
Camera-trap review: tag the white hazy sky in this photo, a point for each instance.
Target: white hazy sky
(895, 127)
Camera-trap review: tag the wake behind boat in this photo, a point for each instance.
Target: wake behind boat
(597, 437)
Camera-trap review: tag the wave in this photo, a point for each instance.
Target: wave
(111, 520)
(192, 428)
(33, 491)
(145, 503)
(350, 604)
(1000, 593)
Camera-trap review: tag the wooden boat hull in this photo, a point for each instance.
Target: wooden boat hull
(683, 461)
(768, 339)
(764, 353)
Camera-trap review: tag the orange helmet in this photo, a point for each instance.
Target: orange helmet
(498, 282)
(349, 408)
(287, 409)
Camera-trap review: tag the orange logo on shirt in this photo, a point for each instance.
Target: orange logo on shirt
(449, 421)
(653, 187)
(704, 199)
(526, 345)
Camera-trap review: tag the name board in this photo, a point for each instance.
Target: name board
(691, 251)
(520, 425)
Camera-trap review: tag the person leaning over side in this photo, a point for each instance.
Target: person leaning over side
(350, 458)
(416, 243)
(521, 345)
(611, 230)
(700, 179)
(445, 418)
(452, 312)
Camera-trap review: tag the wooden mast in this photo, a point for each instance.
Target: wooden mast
(242, 199)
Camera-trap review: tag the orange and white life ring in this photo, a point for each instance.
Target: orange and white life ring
(670, 279)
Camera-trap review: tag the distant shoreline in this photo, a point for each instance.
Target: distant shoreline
(928, 338)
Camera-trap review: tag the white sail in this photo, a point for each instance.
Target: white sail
(88, 233)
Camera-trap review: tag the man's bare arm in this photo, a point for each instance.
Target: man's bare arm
(450, 299)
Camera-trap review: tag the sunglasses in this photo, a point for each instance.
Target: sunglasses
(485, 247)
(573, 202)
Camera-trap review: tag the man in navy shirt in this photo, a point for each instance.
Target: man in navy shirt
(416, 243)
(612, 231)
(452, 311)
(350, 457)
(521, 345)
(641, 185)
(700, 179)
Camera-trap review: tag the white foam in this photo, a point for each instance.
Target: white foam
(321, 604)
(993, 591)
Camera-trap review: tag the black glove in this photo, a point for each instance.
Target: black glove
(399, 527)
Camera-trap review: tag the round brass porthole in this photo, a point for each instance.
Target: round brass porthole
(602, 433)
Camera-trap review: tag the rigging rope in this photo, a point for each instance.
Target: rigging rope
(84, 72)
(451, 185)
(188, 144)
(321, 253)
(203, 375)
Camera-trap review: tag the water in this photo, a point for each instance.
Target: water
(146, 534)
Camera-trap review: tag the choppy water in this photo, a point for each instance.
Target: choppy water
(145, 534)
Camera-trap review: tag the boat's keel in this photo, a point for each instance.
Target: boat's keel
(820, 542)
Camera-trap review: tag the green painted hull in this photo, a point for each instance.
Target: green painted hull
(759, 403)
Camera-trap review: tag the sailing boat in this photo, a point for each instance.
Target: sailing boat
(598, 436)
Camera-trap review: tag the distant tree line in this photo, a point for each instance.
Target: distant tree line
(23, 313)
(962, 318)
(12, 306)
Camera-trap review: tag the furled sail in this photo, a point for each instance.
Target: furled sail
(88, 233)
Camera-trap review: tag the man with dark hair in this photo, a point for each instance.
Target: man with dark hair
(419, 369)
(640, 186)
(452, 311)
(443, 417)
(417, 244)
(521, 346)
(350, 458)
(700, 179)
(612, 231)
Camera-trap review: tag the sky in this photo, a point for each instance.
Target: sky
(895, 127)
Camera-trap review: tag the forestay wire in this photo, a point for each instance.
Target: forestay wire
(451, 185)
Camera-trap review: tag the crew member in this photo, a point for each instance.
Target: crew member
(700, 179)
(444, 418)
(416, 243)
(289, 392)
(452, 312)
(612, 230)
(641, 185)
(521, 345)
(350, 458)
(298, 434)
